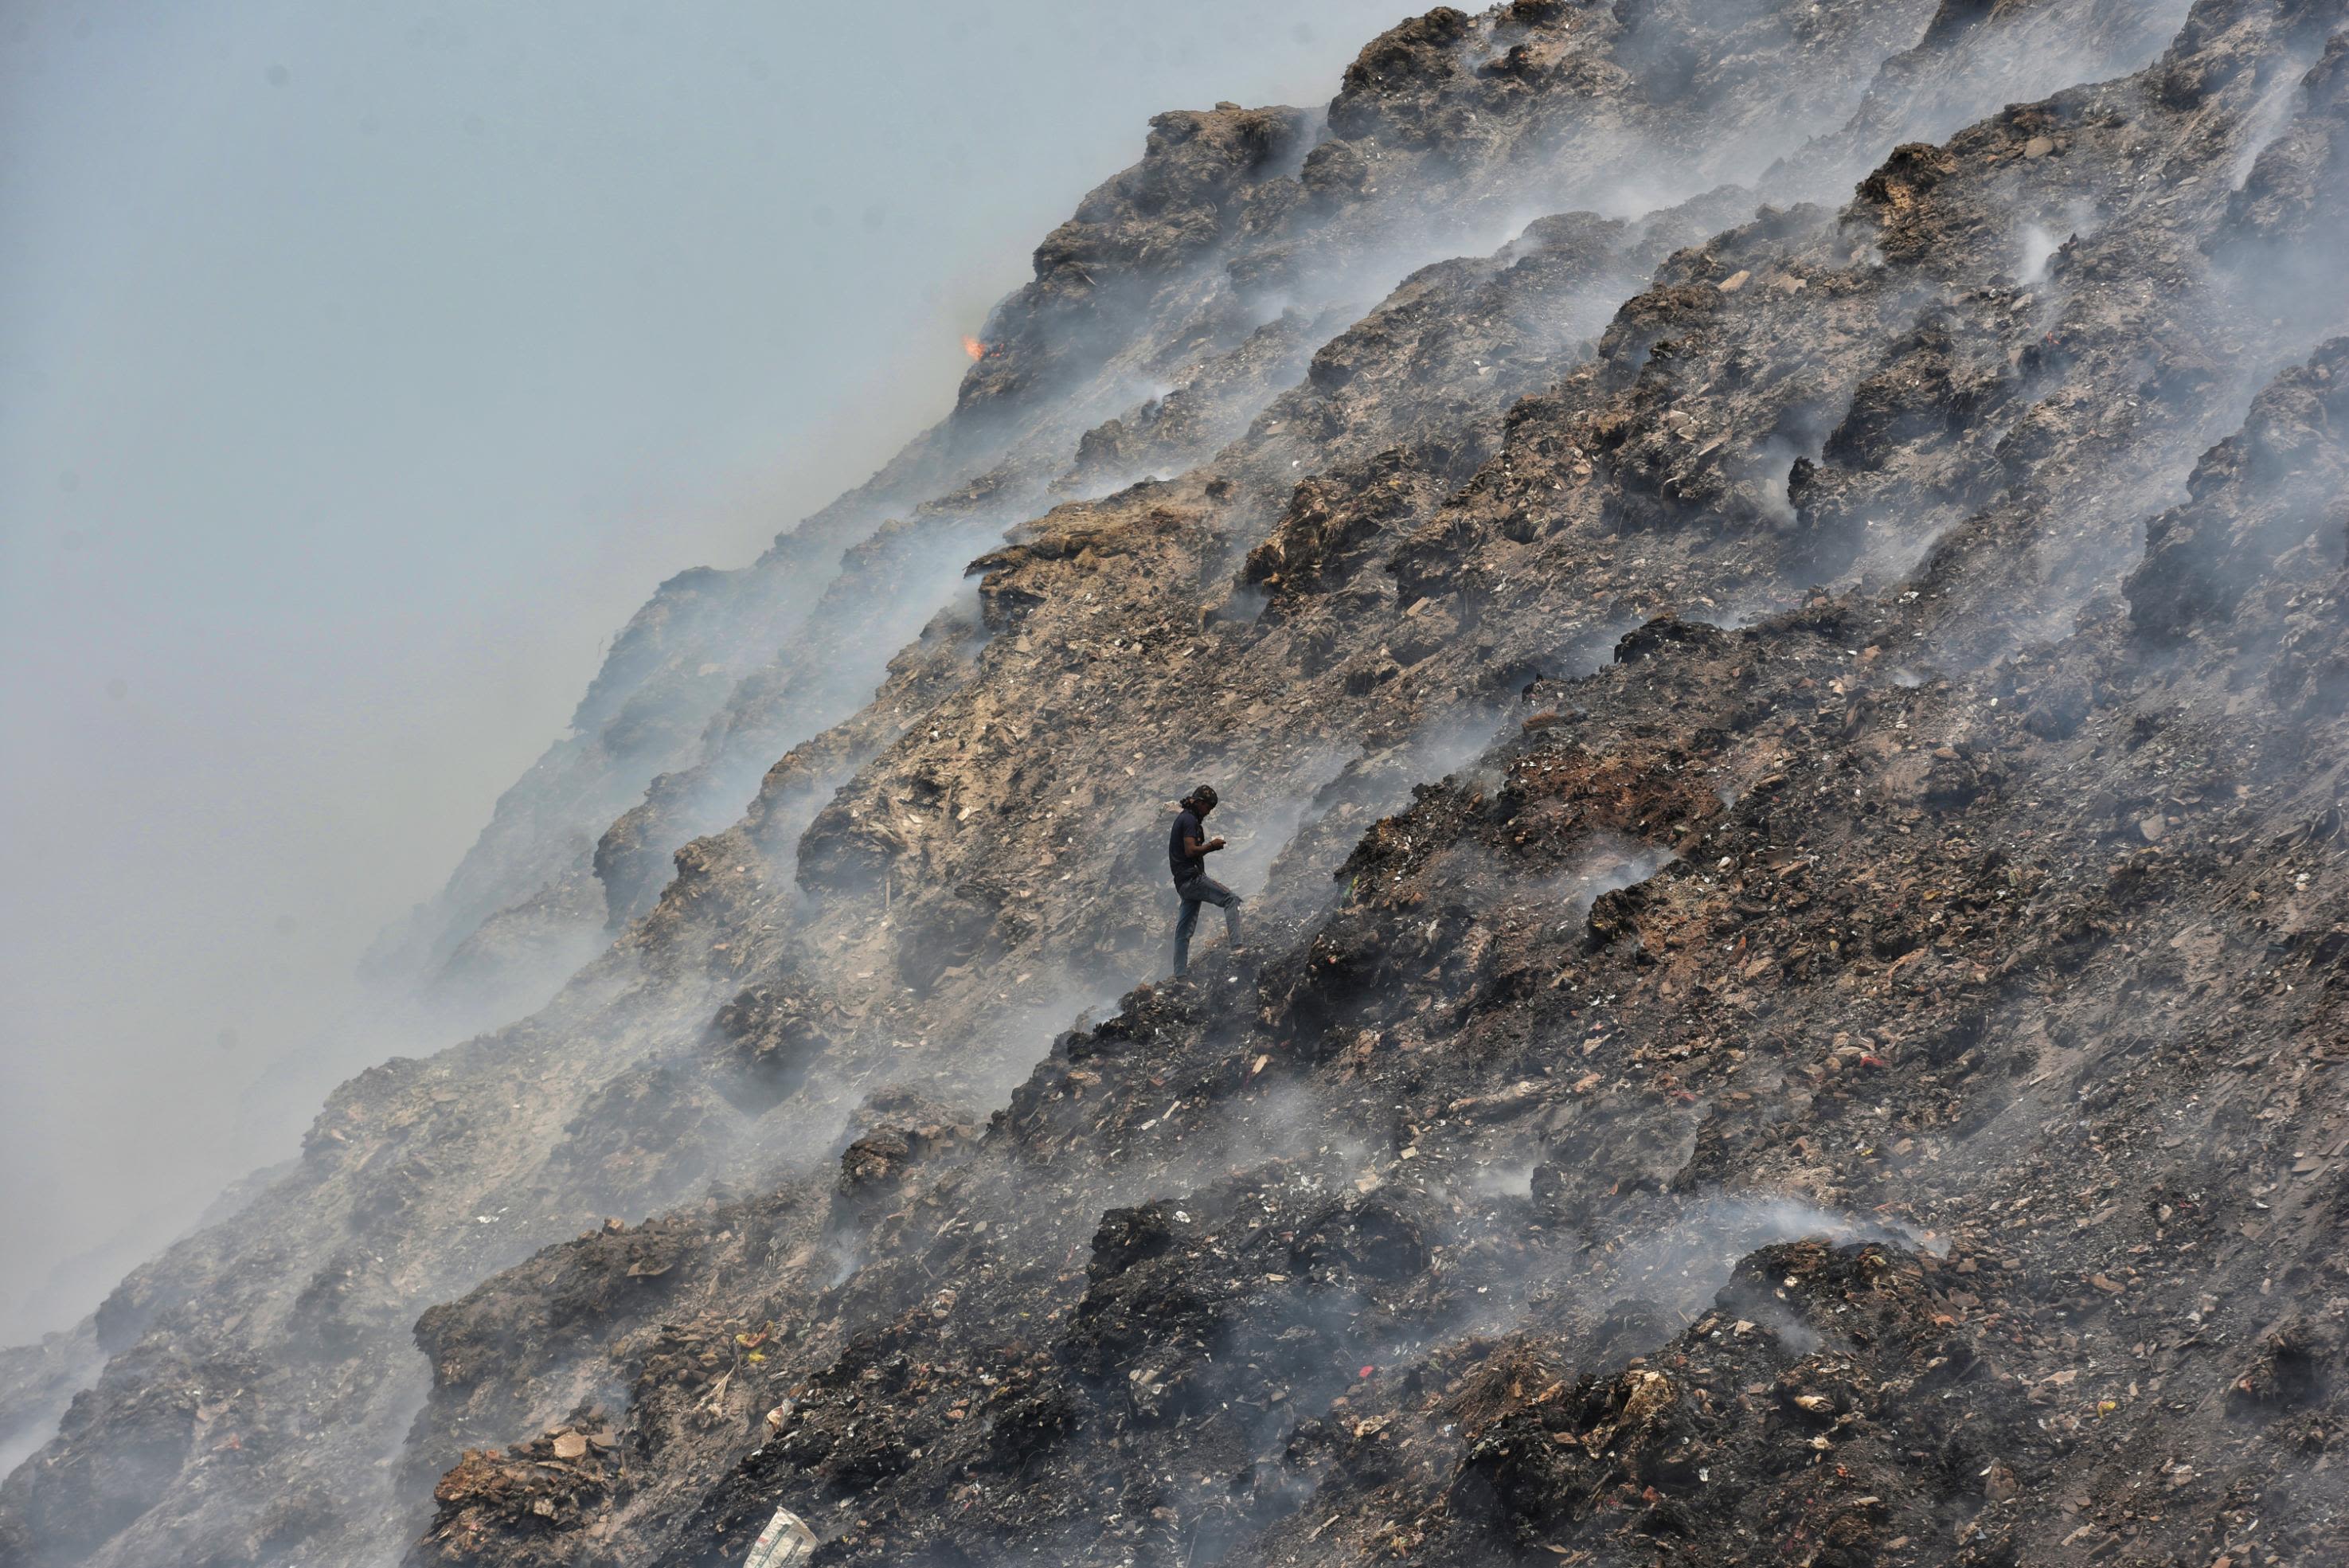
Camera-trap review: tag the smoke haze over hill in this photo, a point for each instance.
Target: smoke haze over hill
(358, 373)
(1764, 588)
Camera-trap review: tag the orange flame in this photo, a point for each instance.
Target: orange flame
(973, 347)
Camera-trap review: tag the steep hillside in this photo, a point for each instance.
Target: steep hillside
(1765, 586)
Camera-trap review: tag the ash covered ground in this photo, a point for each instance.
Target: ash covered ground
(1765, 586)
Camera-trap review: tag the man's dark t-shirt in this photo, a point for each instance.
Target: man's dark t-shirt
(1184, 867)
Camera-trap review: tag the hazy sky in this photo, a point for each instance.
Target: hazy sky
(361, 368)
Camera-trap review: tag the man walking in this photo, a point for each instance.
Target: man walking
(1187, 848)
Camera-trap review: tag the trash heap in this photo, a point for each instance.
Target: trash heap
(1784, 746)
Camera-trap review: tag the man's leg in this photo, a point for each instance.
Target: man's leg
(1184, 923)
(1211, 891)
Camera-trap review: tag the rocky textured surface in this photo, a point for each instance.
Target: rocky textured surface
(1784, 742)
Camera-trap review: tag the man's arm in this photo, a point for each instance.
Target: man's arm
(1198, 851)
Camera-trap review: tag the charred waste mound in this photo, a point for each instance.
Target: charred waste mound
(1766, 585)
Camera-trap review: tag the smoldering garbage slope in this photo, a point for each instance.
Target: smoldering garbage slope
(1795, 1010)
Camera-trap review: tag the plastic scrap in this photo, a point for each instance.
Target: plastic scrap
(785, 1541)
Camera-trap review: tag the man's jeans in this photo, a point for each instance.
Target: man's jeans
(1194, 892)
